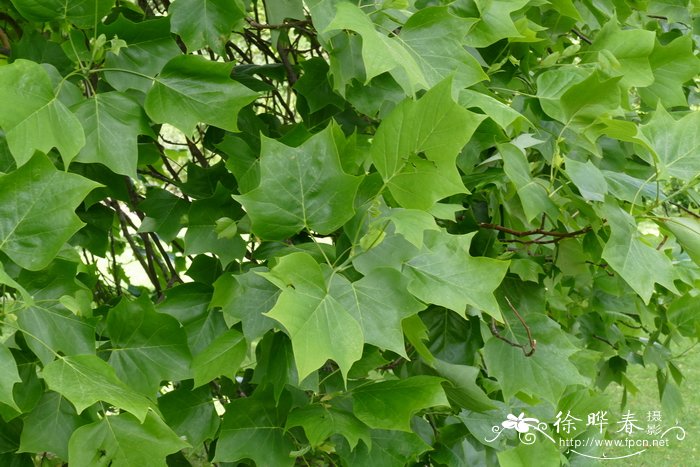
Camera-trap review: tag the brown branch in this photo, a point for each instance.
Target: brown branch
(196, 153)
(174, 276)
(532, 343)
(288, 24)
(525, 233)
(146, 264)
(684, 209)
(581, 36)
(602, 339)
(11, 21)
(115, 270)
(5, 41)
(288, 68)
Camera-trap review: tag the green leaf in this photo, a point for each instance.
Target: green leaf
(302, 187)
(640, 264)
(390, 405)
(380, 53)
(676, 143)
(87, 379)
(388, 449)
(80, 13)
(444, 273)
(147, 347)
(190, 413)
(541, 453)
(672, 64)
(589, 180)
(112, 122)
(435, 38)
(463, 389)
(571, 94)
(687, 233)
(416, 147)
(683, 315)
(123, 441)
(222, 357)
(202, 235)
(245, 298)
(204, 23)
(315, 87)
(149, 47)
(253, 429)
(31, 230)
(495, 22)
(191, 90)
(8, 367)
(546, 373)
(411, 223)
(309, 309)
(320, 422)
(631, 48)
(33, 117)
(49, 327)
(50, 425)
(379, 302)
(164, 212)
(533, 194)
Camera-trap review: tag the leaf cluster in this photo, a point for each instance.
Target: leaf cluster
(330, 232)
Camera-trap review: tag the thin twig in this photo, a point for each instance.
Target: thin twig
(288, 24)
(581, 36)
(532, 343)
(684, 209)
(145, 264)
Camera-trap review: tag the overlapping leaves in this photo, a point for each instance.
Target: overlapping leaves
(365, 233)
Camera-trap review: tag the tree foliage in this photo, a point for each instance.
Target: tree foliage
(335, 232)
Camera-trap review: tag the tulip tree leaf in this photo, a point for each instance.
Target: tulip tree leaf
(417, 144)
(380, 53)
(434, 35)
(675, 142)
(147, 347)
(379, 302)
(672, 64)
(302, 187)
(50, 425)
(112, 122)
(190, 413)
(191, 90)
(320, 422)
(640, 264)
(49, 327)
(149, 47)
(309, 309)
(389, 448)
(87, 379)
(495, 21)
(122, 440)
(389, 405)
(632, 49)
(80, 13)
(221, 357)
(687, 233)
(39, 121)
(245, 298)
(546, 373)
(31, 231)
(444, 273)
(253, 429)
(205, 22)
(8, 366)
